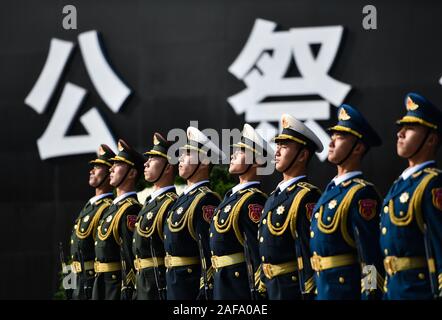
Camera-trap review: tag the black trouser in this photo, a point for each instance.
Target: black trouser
(146, 284)
(107, 286)
(85, 283)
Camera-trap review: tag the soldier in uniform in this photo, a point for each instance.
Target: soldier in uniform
(115, 275)
(186, 231)
(233, 243)
(345, 226)
(83, 233)
(148, 247)
(285, 222)
(411, 217)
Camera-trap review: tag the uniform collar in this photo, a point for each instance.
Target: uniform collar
(410, 171)
(99, 197)
(285, 184)
(194, 186)
(124, 196)
(242, 186)
(159, 192)
(339, 179)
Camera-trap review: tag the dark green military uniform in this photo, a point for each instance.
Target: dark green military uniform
(115, 276)
(83, 233)
(147, 246)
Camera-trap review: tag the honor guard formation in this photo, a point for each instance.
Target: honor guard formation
(296, 243)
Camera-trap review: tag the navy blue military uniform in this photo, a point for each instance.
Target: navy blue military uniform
(148, 247)
(188, 221)
(233, 242)
(285, 224)
(83, 233)
(345, 227)
(236, 216)
(411, 223)
(115, 273)
(186, 231)
(283, 236)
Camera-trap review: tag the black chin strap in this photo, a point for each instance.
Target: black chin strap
(421, 145)
(124, 178)
(294, 159)
(194, 171)
(348, 154)
(245, 171)
(161, 174)
(103, 180)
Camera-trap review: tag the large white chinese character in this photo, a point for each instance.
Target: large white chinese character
(263, 65)
(54, 142)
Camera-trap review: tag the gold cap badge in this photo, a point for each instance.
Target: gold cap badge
(411, 106)
(343, 115)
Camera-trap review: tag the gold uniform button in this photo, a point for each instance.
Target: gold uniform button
(133, 240)
(263, 258)
(384, 230)
(261, 239)
(82, 230)
(96, 242)
(312, 234)
(294, 278)
(75, 227)
(317, 215)
(114, 276)
(72, 257)
(189, 270)
(211, 252)
(222, 220)
(278, 224)
(401, 213)
(328, 218)
(264, 221)
(386, 252)
(341, 280)
(105, 229)
(237, 274)
(210, 286)
(164, 236)
(421, 276)
(211, 234)
(386, 209)
(91, 272)
(72, 241)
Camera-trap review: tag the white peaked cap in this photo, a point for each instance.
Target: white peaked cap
(193, 134)
(288, 123)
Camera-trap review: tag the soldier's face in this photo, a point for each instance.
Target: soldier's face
(238, 162)
(409, 138)
(188, 161)
(285, 152)
(117, 172)
(153, 168)
(340, 145)
(97, 174)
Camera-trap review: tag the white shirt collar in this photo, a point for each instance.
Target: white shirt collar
(101, 196)
(123, 196)
(193, 186)
(338, 180)
(285, 184)
(242, 186)
(160, 191)
(409, 171)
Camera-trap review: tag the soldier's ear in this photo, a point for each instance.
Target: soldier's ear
(434, 140)
(360, 148)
